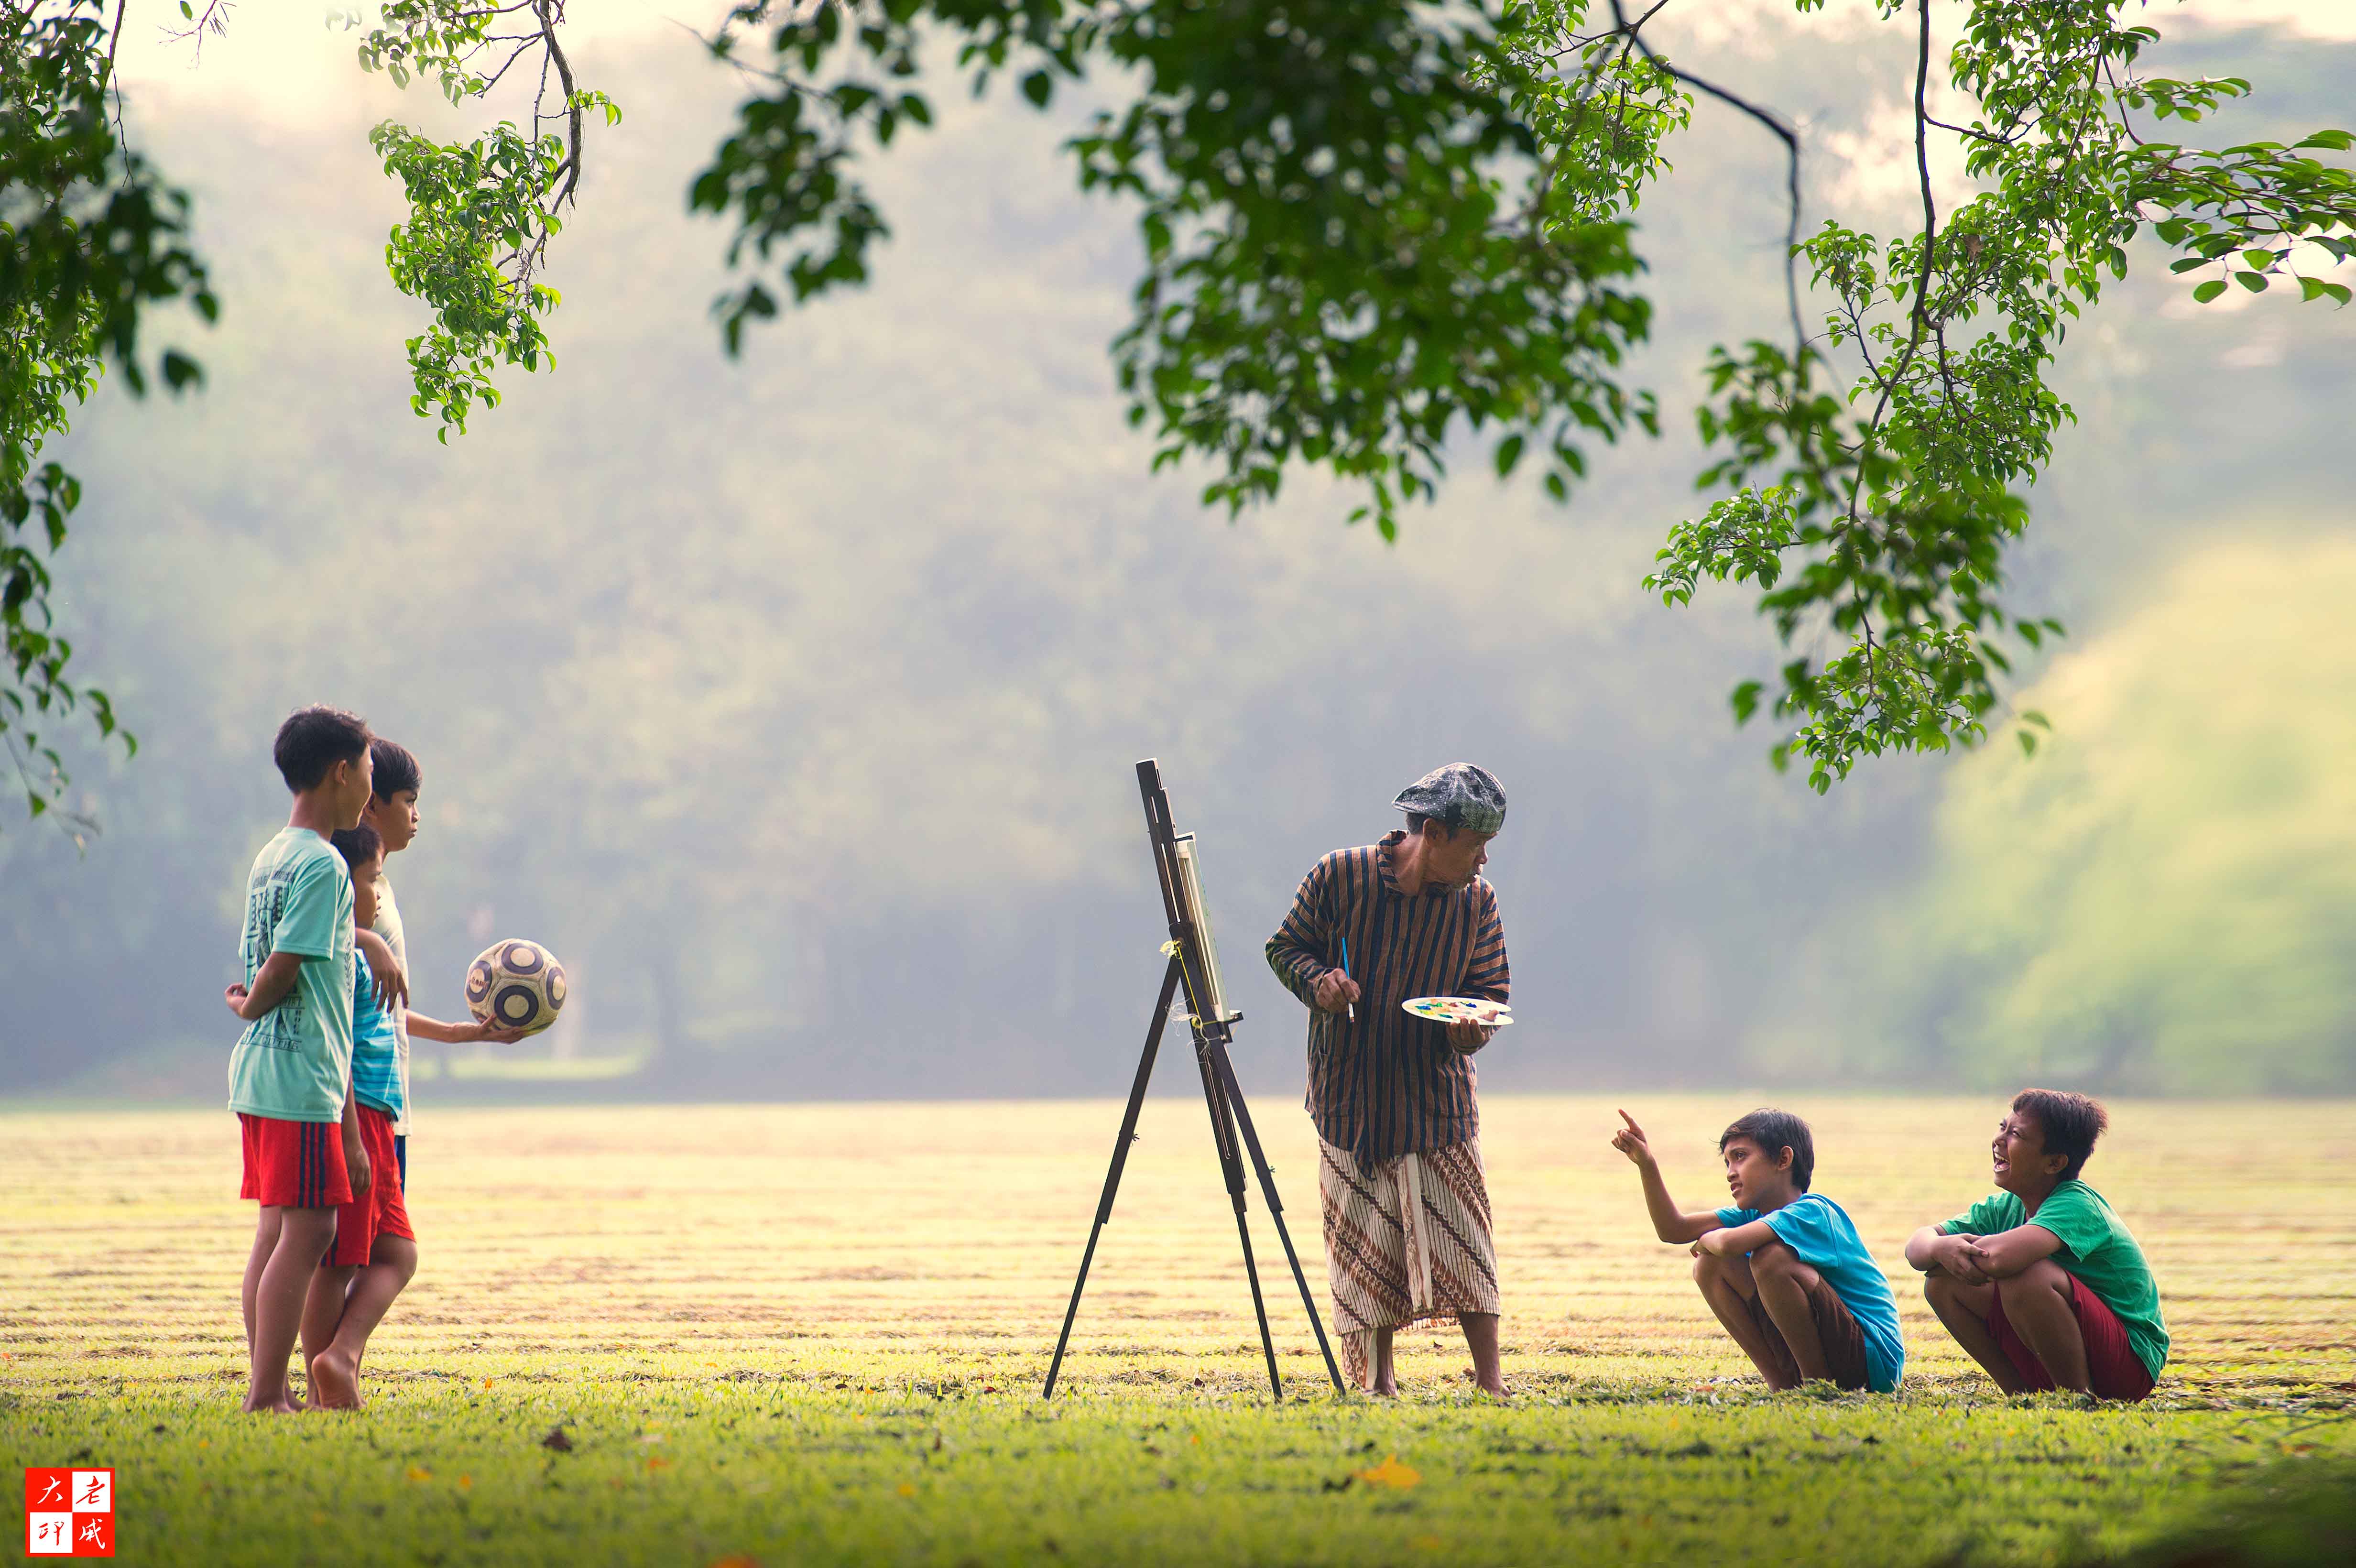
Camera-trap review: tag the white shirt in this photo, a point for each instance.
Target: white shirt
(388, 925)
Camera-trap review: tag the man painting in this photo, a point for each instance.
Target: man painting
(1406, 1207)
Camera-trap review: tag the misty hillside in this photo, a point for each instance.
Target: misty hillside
(793, 699)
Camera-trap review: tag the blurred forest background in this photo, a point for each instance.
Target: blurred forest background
(793, 700)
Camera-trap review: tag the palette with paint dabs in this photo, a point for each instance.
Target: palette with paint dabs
(1461, 1010)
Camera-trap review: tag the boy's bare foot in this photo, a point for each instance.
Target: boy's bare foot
(285, 1404)
(335, 1382)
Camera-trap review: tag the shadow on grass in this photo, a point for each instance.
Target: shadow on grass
(2296, 1515)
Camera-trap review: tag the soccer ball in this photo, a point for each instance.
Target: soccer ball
(516, 984)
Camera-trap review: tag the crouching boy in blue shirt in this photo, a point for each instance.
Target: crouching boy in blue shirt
(1782, 1266)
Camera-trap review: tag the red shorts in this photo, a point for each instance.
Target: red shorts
(2113, 1369)
(294, 1165)
(379, 1211)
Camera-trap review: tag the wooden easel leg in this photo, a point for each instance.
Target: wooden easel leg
(1207, 1052)
(1119, 1160)
(1276, 1211)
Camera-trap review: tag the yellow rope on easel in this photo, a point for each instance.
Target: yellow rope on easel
(1169, 950)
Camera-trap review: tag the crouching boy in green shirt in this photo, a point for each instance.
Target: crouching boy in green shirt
(1782, 1266)
(2039, 1281)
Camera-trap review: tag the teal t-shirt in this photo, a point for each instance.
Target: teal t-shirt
(294, 1061)
(1821, 1235)
(376, 1053)
(2096, 1246)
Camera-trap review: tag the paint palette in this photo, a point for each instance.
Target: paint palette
(1461, 1010)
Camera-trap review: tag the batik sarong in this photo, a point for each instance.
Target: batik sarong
(1406, 1240)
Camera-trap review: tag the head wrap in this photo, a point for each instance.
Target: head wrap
(1460, 797)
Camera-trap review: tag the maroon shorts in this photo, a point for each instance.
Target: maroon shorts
(381, 1210)
(1837, 1330)
(294, 1165)
(2113, 1369)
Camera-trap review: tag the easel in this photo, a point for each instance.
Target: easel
(1190, 966)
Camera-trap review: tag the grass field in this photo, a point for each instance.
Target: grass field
(815, 1334)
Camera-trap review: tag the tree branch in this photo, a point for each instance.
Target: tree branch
(1774, 122)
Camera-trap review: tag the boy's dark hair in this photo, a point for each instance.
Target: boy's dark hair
(2070, 1124)
(396, 768)
(1774, 1131)
(358, 846)
(314, 740)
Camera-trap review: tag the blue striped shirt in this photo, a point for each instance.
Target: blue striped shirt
(1389, 1084)
(376, 1051)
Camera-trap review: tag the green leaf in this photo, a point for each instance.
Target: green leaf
(2252, 282)
(2209, 290)
(1038, 87)
(1509, 452)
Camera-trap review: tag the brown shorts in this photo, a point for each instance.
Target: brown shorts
(1837, 1328)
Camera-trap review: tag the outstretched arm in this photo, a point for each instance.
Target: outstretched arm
(1669, 1222)
(423, 1028)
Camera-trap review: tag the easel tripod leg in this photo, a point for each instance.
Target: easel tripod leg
(1120, 1158)
(1260, 1307)
(1226, 1071)
(1207, 1051)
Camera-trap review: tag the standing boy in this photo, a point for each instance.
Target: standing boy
(2039, 1281)
(1782, 1266)
(290, 1074)
(375, 1251)
(392, 812)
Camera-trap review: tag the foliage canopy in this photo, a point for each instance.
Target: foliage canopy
(1374, 231)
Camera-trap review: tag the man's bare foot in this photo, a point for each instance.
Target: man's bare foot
(285, 1404)
(335, 1382)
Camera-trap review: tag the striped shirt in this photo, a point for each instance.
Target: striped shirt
(1389, 1084)
(375, 1068)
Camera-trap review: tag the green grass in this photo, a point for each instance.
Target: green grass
(814, 1334)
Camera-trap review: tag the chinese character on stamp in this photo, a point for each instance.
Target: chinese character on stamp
(69, 1512)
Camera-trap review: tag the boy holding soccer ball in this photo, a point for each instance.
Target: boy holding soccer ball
(392, 815)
